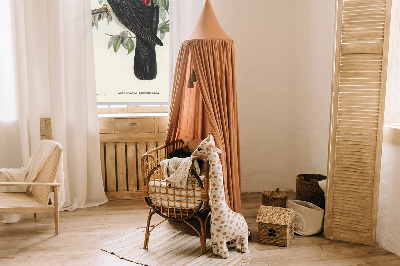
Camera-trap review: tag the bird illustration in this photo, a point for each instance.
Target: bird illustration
(141, 18)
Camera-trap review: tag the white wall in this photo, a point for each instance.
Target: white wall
(314, 60)
(388, 227)
(284, 52)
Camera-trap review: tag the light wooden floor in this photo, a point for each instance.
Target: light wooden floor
(83, 232)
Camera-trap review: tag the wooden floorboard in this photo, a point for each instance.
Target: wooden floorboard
(82, 233)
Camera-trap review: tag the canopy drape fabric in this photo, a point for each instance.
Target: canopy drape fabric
(211, 106)
(54, 77)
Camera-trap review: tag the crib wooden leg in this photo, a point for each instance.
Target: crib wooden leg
(34, 215)
(203, 232)
(147, 235)
(203, 236)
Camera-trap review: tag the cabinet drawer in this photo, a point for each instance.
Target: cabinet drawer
(162, 124)
(106, 125)
(134, 125)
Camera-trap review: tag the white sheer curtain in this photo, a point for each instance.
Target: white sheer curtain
(54, 77)
(183, 17)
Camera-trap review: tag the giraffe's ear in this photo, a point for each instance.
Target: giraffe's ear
(216, 149)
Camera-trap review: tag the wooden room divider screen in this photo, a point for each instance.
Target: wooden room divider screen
(358, 97)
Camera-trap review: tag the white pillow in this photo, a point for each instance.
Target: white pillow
(322, 184)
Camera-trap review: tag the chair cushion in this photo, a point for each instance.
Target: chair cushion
(17, 199)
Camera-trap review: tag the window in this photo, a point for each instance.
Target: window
(127, 70)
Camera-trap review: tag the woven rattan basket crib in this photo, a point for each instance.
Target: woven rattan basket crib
(175, 203)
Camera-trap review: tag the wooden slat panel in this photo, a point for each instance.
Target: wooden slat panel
(362, 48)
(151, 145)
(141, 149)
(161, 153)
(125, 150)
(131, 162)
(42, 128)
(110, 167)
(137, 137)
(102, 161)
(121, 167)
(124, 195)
(46, 131)
(357, 119)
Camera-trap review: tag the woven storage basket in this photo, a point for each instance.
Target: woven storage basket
(308, 189)
(274, 198)
(275, 225)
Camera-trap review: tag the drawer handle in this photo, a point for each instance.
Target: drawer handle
(133, 124)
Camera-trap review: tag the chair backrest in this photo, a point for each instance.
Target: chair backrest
(46, 175)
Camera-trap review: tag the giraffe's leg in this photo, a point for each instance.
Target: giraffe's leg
(222, 249)
(243, 243)
(215, 248)
(232, 244)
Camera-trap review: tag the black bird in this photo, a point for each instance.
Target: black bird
(141, 18)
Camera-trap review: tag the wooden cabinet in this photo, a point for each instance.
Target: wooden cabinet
(135, 125)
(123, 141)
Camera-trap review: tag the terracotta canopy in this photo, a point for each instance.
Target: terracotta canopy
(211, 105)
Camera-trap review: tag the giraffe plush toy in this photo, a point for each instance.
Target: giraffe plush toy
(226, 225)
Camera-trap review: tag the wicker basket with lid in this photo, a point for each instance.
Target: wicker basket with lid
(275, 225)
(274, 198)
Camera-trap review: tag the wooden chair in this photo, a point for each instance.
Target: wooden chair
(36, 197)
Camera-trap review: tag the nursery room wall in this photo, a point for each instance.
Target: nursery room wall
(284, 53)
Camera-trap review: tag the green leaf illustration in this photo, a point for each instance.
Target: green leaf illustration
(165, 4)
(124, 45)
(162, 35)
(124, 35)
(95, 20)
(164, 27)
(130, 44)
(156, 2)
(111, 40)
(163, 14)
(117, 43)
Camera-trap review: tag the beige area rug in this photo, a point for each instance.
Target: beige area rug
(168, 247)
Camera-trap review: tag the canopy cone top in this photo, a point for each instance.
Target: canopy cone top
(207, 26)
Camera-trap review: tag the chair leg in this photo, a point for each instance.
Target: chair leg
(147, 235)
(34, 215)
(203, 232)
(56, 212)
(203, 236)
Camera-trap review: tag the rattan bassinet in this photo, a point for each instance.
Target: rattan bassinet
(171, 202)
